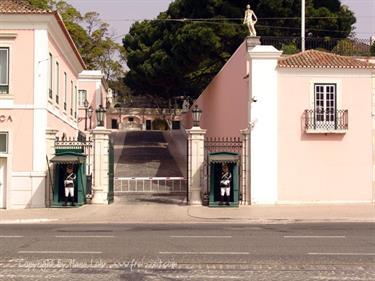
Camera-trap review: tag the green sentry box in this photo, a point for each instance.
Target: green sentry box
(62, 158)
(215, 162)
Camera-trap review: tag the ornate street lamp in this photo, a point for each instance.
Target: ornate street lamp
(86, 105)
(197, 113)
(100, 115)
(89, 114)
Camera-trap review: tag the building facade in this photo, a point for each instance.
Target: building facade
(38, 92)
(94, 90)
(310, 118)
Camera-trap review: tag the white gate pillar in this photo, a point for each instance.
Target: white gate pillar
(100, 186)
(245, 182)
(50, 151)
(263, 88)
(195, 164)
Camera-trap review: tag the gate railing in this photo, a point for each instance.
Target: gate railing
(150, 185)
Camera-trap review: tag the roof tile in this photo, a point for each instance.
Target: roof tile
(19, 7)
(319, 59)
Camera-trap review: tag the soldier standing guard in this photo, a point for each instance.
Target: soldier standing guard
(69, 185)
(225, 181)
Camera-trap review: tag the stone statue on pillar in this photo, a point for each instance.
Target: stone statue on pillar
(250, 20)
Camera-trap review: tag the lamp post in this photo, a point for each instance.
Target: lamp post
(86, 105)
(100, 115)
(197, 113)
(90, 114)
(303, 21)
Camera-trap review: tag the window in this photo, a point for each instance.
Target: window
(325, 105)
(82, 96)
(325, 116)
(3, 142)
(57, 82)
(71, 97)
(75, 101)
(50, 77)
(4, 70)
(65, 89)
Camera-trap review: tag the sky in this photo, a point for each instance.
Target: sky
(120, 14)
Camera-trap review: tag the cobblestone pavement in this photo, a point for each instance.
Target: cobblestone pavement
(184, 269)
(143, 154)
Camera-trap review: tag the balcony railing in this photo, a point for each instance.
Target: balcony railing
(326, 120)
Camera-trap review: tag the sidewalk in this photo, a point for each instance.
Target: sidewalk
(120, 212)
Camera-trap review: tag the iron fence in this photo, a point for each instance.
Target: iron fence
(150, 185)
(220, 144)
(316, 119)
(341, 46)
(82, 144)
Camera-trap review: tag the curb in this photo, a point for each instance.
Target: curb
(28, 221)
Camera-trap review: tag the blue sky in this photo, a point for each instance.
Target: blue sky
(119, 14)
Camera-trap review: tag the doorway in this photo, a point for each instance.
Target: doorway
(2, 183)
(148, 125)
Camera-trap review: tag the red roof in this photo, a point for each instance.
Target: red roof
(20, 7)
(319, 59)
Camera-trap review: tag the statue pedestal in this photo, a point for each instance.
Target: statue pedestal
(252, 41)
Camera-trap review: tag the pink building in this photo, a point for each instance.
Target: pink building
(93, 89)
(311, 120)
(39, 68)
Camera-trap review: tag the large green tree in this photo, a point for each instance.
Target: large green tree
(181, 51)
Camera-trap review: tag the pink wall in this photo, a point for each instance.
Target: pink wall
(324, 167)
(225, 101)
(20, 143)
(64, 66)
(21, 79)
(91, 87)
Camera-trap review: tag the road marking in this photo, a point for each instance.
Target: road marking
(85, 236)
(11, 236)
(12, 276)
(204, 277)
(341, 254)
(59, 252)
(316, 237)
(197, 236)
(204, 253)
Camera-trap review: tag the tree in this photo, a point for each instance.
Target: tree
(372, 49)
(178, 53)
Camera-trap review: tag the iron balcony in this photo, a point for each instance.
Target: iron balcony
(326, 121)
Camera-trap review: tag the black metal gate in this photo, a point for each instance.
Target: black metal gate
(111, 171)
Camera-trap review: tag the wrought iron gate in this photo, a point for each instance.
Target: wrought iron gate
(111, 172)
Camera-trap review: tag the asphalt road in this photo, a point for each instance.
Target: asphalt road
(188, 252)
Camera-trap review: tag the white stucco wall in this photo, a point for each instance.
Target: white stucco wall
(264, 136)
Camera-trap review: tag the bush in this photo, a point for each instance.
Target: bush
(290, 48)
(159, 124)
(372, 50)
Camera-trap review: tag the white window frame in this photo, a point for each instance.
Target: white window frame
(6, 142)
(82, 96)
(57, 82)
(71, 97)
(75, 101)
(50, 78)
(325, 105)
(7, 73)
(340, 112)
(65, 88)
